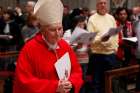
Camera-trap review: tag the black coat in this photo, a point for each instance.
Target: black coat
(15, 31)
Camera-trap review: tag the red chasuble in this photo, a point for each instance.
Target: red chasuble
(35, 70)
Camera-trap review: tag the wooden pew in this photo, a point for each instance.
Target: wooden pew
(9, 54)
(109, 75)
(5, 73)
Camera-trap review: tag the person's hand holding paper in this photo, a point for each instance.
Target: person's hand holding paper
(131, 39)
(6, 37)
(80, 35)
(110, 32)
(63, 67)
(64, 86)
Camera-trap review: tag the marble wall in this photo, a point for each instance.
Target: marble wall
(91, 4)
(6, 3)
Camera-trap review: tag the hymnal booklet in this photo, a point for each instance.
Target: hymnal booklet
(63, 67)
(112, 31)
(80, 35)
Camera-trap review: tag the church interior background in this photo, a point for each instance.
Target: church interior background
(78, 3)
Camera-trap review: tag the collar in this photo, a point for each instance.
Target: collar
(51, 46)
(9, 21)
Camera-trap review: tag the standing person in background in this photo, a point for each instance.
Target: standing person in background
(11, 41)
(31, 28)
(124, 53)
(66, 18)
(28, 9)
(9, 27)
(135, 13)
(103, 50)
(19, 16)
(78, 21)
(86, 13)
(35, 69)
(80, 49)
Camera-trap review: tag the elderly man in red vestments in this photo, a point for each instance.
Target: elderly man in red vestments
(35, 69)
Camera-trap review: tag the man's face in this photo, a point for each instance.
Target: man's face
(6, 17)
(52, 33)
(66, 11)
(122, 16)
(29, 7)
(101, 7)
(81, 24)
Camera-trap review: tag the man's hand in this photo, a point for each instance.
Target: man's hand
(19, 11)
(105, 38)
(67, 86)
(64, 86)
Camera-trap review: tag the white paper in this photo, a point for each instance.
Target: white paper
(67, 36)
(137, 30)
(80, 35)
(63, 67)
(132, 39)
(6, 36)
(112, 31)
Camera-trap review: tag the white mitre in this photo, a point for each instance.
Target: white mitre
(49, 11)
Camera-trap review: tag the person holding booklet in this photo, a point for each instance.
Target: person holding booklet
(102, 57)
(126, 48)
(78, 21)
(79, 38)
(46, 55)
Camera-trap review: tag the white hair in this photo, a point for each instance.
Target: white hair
(31, 3)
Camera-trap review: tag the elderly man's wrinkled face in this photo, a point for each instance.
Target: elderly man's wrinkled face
(101, 7)
(52, 33)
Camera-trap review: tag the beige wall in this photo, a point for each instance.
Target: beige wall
(76, 3)
(92, 3)
(6, 3)
(132, 3)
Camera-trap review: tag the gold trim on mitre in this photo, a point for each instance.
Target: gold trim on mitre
(49, 11)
